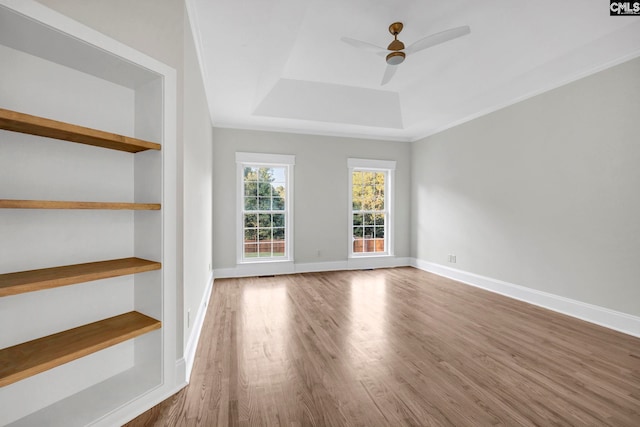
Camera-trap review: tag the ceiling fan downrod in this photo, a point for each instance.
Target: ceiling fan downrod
(395, 57)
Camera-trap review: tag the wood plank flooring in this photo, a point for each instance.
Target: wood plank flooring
(398, 347)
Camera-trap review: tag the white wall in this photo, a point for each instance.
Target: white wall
(543, 194)
(320, 185)
(161, 30)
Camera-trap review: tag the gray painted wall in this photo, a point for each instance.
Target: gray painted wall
(543, 194)
(197, 185)
(320, 186)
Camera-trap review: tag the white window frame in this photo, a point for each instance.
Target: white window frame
(389, 167)
(264, 160)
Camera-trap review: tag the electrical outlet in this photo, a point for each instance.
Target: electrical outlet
(188, 318)
(319, 253)
(452, 258)
(209, 266)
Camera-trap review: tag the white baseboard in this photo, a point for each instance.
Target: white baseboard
(181, 372)
(255, 269)
(377, 262)
(608, 318)
(194, 336)
(314, 267)
(267, 269)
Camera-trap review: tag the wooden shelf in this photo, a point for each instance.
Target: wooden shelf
(46, 278)
(30, 358)
(34, 125)
(56, 204)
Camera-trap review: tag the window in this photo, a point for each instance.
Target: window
(370, 201)
(264, 199)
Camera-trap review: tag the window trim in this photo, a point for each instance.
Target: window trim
(388, 166)
(264, 160)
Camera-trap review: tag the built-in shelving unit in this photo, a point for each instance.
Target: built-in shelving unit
(30, 358)
(47, 278)
(24, 360)
(87, 219)
(34, 125)
(58, 204)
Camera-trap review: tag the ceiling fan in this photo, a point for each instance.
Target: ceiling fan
(395, 53)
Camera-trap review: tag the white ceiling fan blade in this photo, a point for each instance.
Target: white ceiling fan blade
(437, 38)
(388, 74)
(358, 44)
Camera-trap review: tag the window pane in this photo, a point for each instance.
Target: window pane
(264, 220)
(380, 196)
(250, 203)
(357, 219)
(278, 248)
(278, 233)
(369, 219)
(250, 174)
(368, 178)
(368, 232)
(358, 241)
(379, 219)
(278, 220)
(278, 189)
(356, 192)
(250, 220)
(377, 245)
(278, 204)
(250, 235)
(250, 189)
(278, 242)
(265, 175)
(250, 250)
(264, 249)
(368, 198)
(379, 232)
(264, 203)
(264, 234)
(279, 174)
(264, 242)
(264, 189)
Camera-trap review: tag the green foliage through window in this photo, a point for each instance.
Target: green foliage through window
(369, 214)
(264, 212)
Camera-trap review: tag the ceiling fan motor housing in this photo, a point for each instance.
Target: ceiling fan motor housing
(395, 58)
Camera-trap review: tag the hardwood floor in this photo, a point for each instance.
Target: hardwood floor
(397, 347)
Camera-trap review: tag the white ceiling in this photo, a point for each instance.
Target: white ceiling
(280, 64)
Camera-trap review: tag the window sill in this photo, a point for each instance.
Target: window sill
(371, 255)
(265, 261)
